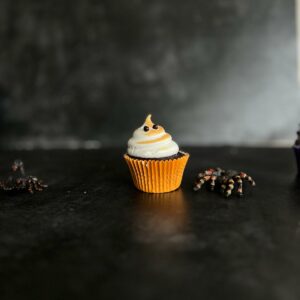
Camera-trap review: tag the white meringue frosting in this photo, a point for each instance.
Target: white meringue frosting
(151, 141)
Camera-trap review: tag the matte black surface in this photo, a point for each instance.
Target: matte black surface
(73, 71)
(92, 235)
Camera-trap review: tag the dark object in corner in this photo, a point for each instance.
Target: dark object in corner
(226, 181)
(296, 148)
(21, 182)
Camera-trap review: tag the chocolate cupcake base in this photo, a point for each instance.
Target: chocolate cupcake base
(175, 156)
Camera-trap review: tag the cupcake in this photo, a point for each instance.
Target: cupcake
(155, 162)
(297, 150)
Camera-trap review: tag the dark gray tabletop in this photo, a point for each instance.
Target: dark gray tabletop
(92, 235)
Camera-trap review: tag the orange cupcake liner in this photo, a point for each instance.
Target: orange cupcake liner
(157, 176)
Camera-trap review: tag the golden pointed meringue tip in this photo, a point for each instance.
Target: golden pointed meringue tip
(148, 121)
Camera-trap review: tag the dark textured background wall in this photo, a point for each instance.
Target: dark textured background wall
(85, 73)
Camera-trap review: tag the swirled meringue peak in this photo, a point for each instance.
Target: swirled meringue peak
(151, 141)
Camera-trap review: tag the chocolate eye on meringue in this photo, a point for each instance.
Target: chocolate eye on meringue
(155, 126)
(146, 128)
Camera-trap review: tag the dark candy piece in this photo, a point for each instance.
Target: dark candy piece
(296, 148)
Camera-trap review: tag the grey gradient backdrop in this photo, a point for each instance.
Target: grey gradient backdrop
(86, 73)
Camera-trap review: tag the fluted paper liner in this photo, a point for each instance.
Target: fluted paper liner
(157, 176)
